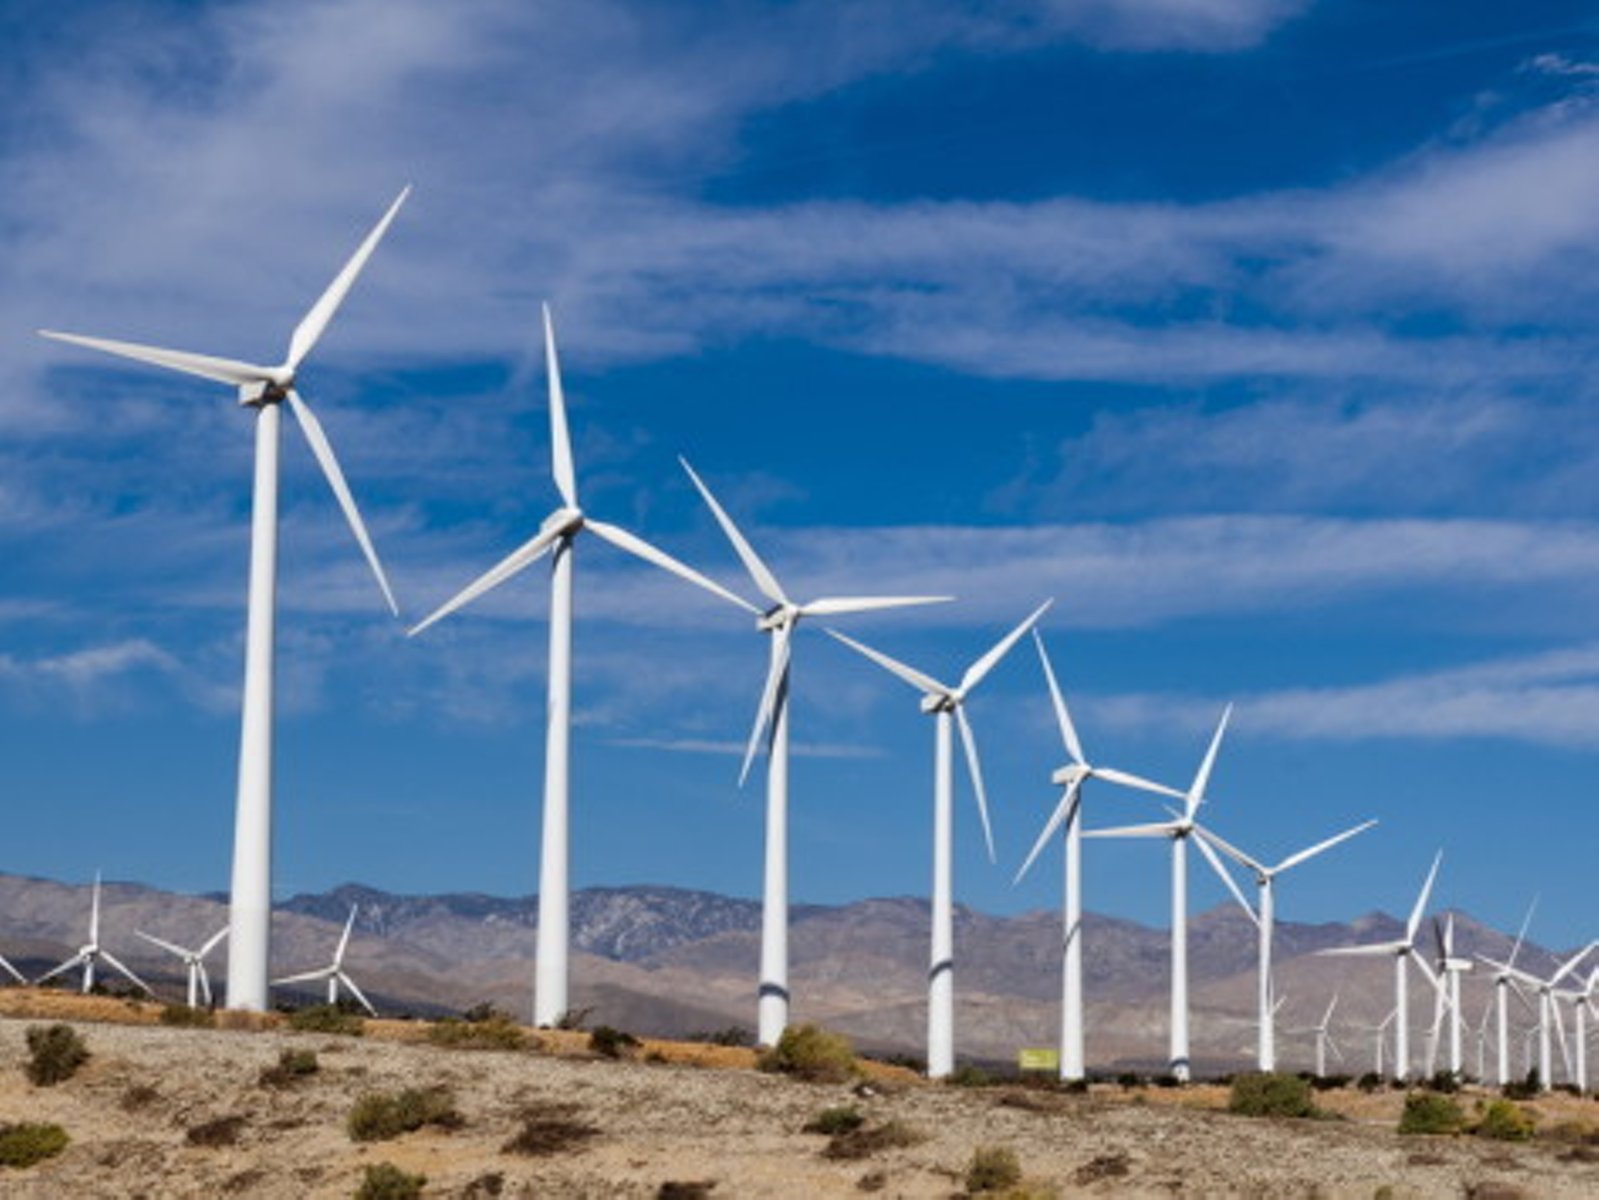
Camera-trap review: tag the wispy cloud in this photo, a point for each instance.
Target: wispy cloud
(87, 678)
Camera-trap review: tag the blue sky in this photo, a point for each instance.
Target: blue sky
(1256, 333)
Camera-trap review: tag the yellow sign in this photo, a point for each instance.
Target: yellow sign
(1038, 1060)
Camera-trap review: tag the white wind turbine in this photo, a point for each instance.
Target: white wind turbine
(556, 537)
(92, 951)
(193, 961)
(947, 705)
(1068, 813)
(1503, 983)
(334, 972)
(1324, 1039)
(771, 718)
(1447, 999)
(1546, 1003)
(1179, 829)
(1264, 917)
(1380, 1030)
(1402, 949)
(1581, 1002)
(265, 388)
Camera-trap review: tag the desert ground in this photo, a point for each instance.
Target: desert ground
(685, 1114)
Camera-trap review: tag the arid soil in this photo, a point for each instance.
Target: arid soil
(659, 1118)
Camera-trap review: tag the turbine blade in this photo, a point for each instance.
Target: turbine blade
(214, 941)
(357, 993)
(975, 673)
(1293, 860)
(344, 938)
(1571, 963)
(1231, 851)
(1421, 900)
(1427, 972)
(833, 606)
(525, 554)
(560, 438)
(12, 971)
(1196, 794)
(1522, 933)
(1064, 812)
(304, 976)
(624, 540)
(1226, 876)
(94, 913)
(919, 681)
(1063, 717)
(765, 581)
(1164, 829)
(119, 965)
(766, 713)
(57, 970)
(165, 945)
(1127, 779)
(310, 329)
(222, 370)
(1327, 1016)
(1367, 951)
(976, 770)
(205, 982)
(323, 450)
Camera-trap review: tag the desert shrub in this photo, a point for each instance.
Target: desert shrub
(1430, 1112)
(55, 1052)
(139, 1097)
(835, 1120)
(1505, 1121)
(1444, 1082)
(992, 1169)
(1129, 1080)
(813, 1053)
(291, 1067)
(967, 1075)
(1166, 1081)
(326, 1018)
(1369, 1082)
(1103, 1166)
(491, 1183)
(224, 1131)
(685, 1189)
(486, 1011)
(573, 1018)
(495, 1031)
(733, 1035)
(1270, 1094)
(867, 1140)
(1330, 1083)
(378, 1116)
(25, 1144)
(612, 1043)
(385, 1181)
(185, 1017)
(543, 1134)
(1523, 1089)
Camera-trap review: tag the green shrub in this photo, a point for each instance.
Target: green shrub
(493, 1032)
(1270, 1094)
(612, 1043)
(25, 1144)
(992, 1169)
(326, 1018)
(385, 1181)
(55, 1052)
(185, 1017)
(292, 1066)
(967, 1075)
(1430, 1112)
(733, 1035)
(835, 1120)
(1505, 1121)
(813, 1053)
(378, 1116)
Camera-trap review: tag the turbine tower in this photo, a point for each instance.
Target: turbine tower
(1179, 830)
(1581, 1002)
(265, 389)
(1450, 969)
(91, 952)
(1069, 813)
(1264, 917)
(334, 972)
(771, 718)
(556, 537)
(1503, 982)
(947, 705)
(1324, 1038)
(1546, 1003)
(193, 962)
(1403, 950)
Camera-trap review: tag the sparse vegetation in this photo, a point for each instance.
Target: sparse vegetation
(993, 1169)
(1270, 1094)
(612, 1043)
(1506, 1121)
(292, 1066)
(55, 1052)
(573, 1018)
(685, 1189)
(28, 1143)
(1369, 1082)
(968, 1075)
(867, 1140)
(832, 1121)
(733, 1035)
(549, 1131)
(378, 1116)
(139, 1097)
(492, 1031)
(223, 1131)
(813, 1053)
(326, 1018)
(1431, 1113)
(1444, 1082)
(385, 1181)
(182, 1016)
(1525, 1089)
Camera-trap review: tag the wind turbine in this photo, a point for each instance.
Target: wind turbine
(1069, 813)
(556, 537)
(1450, 969)
(265, 389)
(1546, 1002)
(334, 972)
(1503, 982)
(1379, 1029)
(92, 952)
(1581, 1005)
(947, 705)
(1265, 919)
(1402, 950)
(193, 960)
(771, 718)
(1324, 1039)
(1178, 830)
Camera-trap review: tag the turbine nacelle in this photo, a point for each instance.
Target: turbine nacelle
(777, 618)
(1074, 774)
(565, 521)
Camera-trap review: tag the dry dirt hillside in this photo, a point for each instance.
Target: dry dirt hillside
(164, 1112)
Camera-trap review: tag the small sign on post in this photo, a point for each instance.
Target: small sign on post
(1038, 1060)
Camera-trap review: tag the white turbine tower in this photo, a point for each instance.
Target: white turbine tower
(1546, 1003)
(1503, 983)
(1581, 1002)
(556, 537)
(193, 961)
(1402, 950)
(265, 389)
(1324, 1038)
(771, 718)
(334, 972)
(947, 705)
(1068, 813)
(1447, 999)
(91, 952)
(1264, 916)
(1380, 1030)
(1179, 830)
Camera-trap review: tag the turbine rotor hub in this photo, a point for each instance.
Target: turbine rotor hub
(776, 617)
